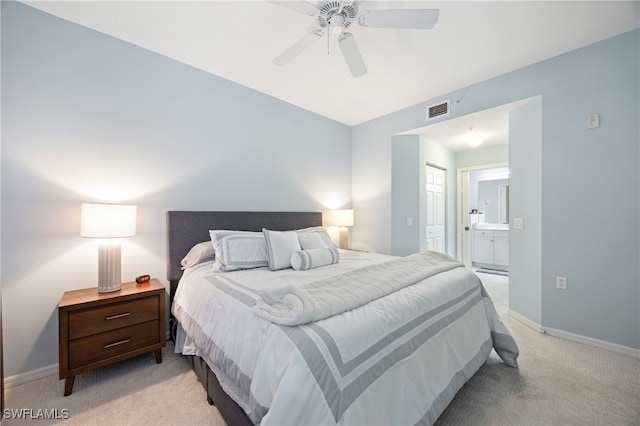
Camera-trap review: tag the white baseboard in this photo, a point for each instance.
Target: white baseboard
(613, 347)
(526, 321)
(30, 376)
(589, 341)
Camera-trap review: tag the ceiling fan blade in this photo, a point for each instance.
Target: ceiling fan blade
(299, 6)
(424, 19)
(298, 47)
(352, 55)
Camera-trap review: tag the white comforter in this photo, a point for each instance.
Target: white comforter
(398, 359)
(290, 304)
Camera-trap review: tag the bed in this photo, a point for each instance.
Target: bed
(362, 339)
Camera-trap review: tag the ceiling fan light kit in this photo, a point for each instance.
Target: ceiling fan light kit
(334, 16)
(337, 24)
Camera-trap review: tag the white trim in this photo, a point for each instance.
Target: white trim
(526, 321)
(589, 341)
(39, 373)
(30, 376)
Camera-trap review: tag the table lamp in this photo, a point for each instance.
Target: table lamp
(341, 219)
(108, 222)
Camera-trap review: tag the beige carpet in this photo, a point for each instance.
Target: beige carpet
(558, 383)
(134, 392)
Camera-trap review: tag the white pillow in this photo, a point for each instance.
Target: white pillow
(311, 240)
(320, 231)
(307, 259)
(199, 253)
(280, 246)
(236, 250)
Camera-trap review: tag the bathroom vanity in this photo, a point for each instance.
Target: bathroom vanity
(490, 246)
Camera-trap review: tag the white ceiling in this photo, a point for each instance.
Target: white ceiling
(472, 41)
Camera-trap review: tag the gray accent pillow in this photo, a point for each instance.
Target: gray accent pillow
(199, 253)
(280, 246)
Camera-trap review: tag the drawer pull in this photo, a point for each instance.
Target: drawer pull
(121, 342)
(126, 314)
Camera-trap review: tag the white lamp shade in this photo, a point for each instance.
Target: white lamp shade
(338, 218)
(107, 220)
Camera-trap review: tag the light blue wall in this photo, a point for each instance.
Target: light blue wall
(589, 195)
(410, 155)
(406, 193)
(590, 204)
(525, 202)
(87, 117)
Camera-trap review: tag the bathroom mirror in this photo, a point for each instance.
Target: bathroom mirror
(493, 200)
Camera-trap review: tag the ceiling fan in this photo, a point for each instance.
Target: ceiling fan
(335, 16)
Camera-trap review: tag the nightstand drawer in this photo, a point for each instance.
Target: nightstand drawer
(106, 345)
(94, 321)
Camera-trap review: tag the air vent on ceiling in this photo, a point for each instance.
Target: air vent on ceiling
(438, 110)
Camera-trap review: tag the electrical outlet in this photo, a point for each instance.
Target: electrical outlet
(561, 282)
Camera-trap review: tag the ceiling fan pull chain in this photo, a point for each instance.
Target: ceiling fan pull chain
(328, 37)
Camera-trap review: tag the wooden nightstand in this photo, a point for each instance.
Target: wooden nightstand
(98, 329)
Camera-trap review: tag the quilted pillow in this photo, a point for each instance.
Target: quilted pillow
(235, 250)
(308, 259)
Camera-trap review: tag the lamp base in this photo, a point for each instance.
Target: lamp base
(109, 278)
(344, 237)
(107, 289)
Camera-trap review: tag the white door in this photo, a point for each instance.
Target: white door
(435, 221)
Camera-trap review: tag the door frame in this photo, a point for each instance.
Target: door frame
(462, 218)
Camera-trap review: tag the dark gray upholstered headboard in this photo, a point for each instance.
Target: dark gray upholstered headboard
(187, 228)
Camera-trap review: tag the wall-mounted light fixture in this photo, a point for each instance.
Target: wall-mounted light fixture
(108, 222)
(341, 219)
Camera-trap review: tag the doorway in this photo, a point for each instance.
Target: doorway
(468, 200)
(520, 122)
